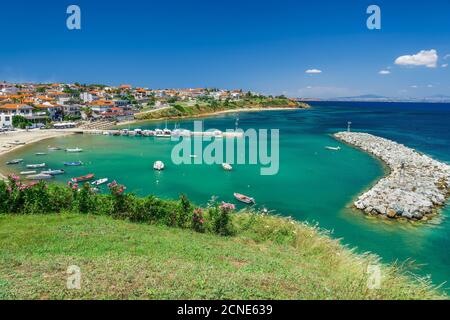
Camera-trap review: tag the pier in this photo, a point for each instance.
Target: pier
(415, 187)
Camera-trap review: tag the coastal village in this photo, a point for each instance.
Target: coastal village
(58, 105)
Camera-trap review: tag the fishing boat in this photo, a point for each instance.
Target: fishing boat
(158, 165)
(26, 173)
(40, 154)
(87, 177)
(227, 167)
(99, 182)
(53, 172)
(37, 165)
(39, 176)
(333, 148)
(73, 164)
(15, 161)
(244, 198)
(74, 150)
(53, 148)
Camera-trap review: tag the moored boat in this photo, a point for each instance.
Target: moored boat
(53, 172)
(74, 150)
(244, 198)
(99, 182)
(39, 176)
(73, 164)
(53, 148)
(333, 148)
(40, 154)
(158, 165)
(28, 172)
(14, 161)
(227, 166)
(36, 165)
(87, 177)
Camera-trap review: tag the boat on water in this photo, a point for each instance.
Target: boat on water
(15, 161)
(158, 165)
(74, 150)
(36, 165)
(166, 133)
(244, 198)
(40, 154)
(73, 164)
(53, 148)
(99, 182)
(39, 176)
(124, 132)
(333, 148)
(148, 133)
(87, 177)
(227, 166)
(53, 172)
(28, 172)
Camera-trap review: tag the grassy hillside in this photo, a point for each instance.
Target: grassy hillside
(182, 109)
(269, 257)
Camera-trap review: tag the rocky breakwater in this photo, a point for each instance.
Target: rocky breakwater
(415, 187)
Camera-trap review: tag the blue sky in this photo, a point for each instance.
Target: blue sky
(264, 46)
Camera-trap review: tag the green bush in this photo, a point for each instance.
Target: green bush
(40, 198)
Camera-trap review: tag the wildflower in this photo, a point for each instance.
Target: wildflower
(227, 206)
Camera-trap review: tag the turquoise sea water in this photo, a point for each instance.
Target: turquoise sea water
(313, 184)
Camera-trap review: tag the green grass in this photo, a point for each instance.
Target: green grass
(269, 258)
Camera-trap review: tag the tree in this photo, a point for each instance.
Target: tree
(20, 122)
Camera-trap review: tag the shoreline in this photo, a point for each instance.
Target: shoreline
(414, 187)
(209, 114)
(26, 137)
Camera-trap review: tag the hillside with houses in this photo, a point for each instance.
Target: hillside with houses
(31, 105)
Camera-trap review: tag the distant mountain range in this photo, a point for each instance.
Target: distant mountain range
(376, 98)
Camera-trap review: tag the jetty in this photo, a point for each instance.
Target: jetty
(415, 187)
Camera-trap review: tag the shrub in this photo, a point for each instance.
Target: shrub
(220, 218)
(198, 221)
(184, 212)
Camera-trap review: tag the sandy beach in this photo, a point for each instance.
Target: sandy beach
(9, 140)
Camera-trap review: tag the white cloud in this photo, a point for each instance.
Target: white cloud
(430, 86)
(446, 56)
(427, 58)
(384, 72)
(445, 65)
(414, 87)
(313, 71)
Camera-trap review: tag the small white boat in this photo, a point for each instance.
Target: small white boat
(39, 176)
(333, 148)
(158, 165)
(74, 150)
(53, 148)
(227, 166)
(99, 182)
(40, 154)
(53, 172)
(28, 172)
(138, 132)
(106, 133)
(37, 165)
